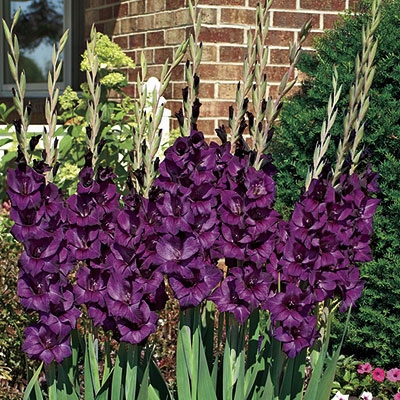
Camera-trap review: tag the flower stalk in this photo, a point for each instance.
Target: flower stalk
(21, 125)
(191, 103)
(354, 120)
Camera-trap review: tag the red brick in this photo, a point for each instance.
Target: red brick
(175, 36)
(182, 17)
(162, 53)
(174, 4)
(148, 53)
(155, 38)
(222, 35)
(208, 15)
(279, 38)
(294, 19)
(279, 56)
(207, 126)
(145, 22)
(130, 90)
(128, 25)
(207, 90)
(137, 40)
(220, 72)
(178, 74)
(238, 16)
(329, 21)
(232, 53)
(136, 7)
(168, 92)
(275, 74)
(177, 89)
(121, 10)
(227, 91)
(281, 4)
(174, 106)
(323, 5)
(209, 53)
(225, 2)
(154, 5)
(122, 41)
(164, 20)
(215, 108)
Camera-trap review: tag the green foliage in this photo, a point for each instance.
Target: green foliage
(13, 319)
(373, 332)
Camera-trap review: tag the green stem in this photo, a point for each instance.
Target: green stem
(50, 371)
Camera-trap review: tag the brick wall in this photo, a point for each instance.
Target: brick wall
(157, 27)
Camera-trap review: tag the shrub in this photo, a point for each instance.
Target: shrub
(374, 330)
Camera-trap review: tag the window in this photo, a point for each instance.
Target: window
(41, 24)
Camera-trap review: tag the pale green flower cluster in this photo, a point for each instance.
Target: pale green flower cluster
(68, 173)
(110, 55)
(114, 79)
(68, 99)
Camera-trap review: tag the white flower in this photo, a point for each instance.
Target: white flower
(340, 396)
(366, 396)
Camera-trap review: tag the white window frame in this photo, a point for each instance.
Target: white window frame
(37, 90)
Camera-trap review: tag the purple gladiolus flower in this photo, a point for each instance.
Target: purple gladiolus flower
(28, 223)
(191, 291)
(39, 291)
(173, 250)
(206, 204)
(260, 189)
(176, 214)
(290, 306)
(86, 182)
(297, 337)
(232, 209)
(138, 326)
(25, 187)
(226, 299)
(83, 242)
(41, 343)
(91, 286)
(82, 210)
